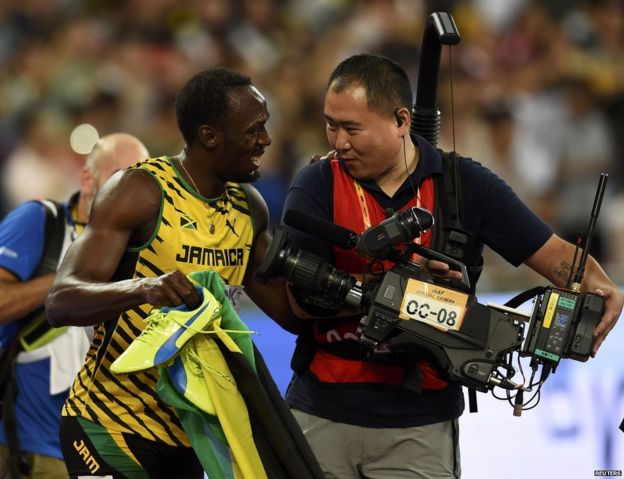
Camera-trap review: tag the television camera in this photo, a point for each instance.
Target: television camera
(410, 311)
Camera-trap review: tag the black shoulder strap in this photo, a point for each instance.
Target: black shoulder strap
(452, 190)
(54, 235)
(449, 236)
(447, 206)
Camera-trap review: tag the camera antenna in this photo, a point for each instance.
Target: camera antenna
(577, 246)
(578, 278)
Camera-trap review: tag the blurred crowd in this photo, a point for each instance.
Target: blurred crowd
(535, 90)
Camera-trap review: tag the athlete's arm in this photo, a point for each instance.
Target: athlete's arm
(270, 297)
(124, 214)
(552, 261)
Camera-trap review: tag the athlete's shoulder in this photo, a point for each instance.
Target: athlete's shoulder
(257, 206)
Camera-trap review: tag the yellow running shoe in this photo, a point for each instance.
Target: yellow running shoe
(167, 330)
(188, 378)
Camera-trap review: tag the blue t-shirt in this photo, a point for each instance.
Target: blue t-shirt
(37, 413)
(491, 212)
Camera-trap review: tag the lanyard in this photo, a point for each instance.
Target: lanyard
(364, 207)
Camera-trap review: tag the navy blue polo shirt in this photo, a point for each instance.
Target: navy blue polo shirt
(491, 211)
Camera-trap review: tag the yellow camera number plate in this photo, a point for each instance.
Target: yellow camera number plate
(433, 304)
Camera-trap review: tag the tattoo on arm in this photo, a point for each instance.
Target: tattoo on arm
(563, 270)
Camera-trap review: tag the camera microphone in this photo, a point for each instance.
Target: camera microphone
(332, 233)
(375, 242)
(401, 227)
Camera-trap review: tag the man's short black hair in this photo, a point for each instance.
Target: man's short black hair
(204, 100)
(386, 83)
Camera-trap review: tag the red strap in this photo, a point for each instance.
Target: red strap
(333, 369)
(354, 208)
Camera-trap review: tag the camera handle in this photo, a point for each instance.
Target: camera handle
(453, 264)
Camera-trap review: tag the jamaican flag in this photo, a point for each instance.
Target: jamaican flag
(243, 428)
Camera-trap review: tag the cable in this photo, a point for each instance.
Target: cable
(409, 176)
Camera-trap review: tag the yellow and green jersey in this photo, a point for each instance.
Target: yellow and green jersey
(193, 234)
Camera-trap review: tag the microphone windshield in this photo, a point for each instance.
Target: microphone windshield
(332, 233)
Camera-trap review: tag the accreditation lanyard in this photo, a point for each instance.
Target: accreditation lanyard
(364, 207)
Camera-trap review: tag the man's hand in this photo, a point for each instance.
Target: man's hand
(614, 301)
(439, 270)
(327, 156)
(170, 289)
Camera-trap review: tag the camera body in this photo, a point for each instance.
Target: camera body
(465, 340)
(408, 312)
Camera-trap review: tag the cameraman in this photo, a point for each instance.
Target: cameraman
(357, 410)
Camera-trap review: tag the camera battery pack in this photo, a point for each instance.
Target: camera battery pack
(590, 312)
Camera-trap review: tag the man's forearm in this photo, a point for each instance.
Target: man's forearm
(17, 299)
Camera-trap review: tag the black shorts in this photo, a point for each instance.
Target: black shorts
(90, 450)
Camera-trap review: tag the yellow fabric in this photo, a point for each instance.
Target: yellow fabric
(193, 234)
(229, 404)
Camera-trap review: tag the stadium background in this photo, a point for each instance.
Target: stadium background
(538, 92)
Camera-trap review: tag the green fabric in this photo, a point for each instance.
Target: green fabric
(108, 449)
(204, 431)
(229, 317)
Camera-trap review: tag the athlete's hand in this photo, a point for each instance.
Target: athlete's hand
(170, 289)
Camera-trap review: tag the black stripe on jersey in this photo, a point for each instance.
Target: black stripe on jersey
(118, 348)
(168, 198)
(235, 191)
(103, 388)
(159, 239)
(179, 182)
(71, 400)
(241, 202)
(149, 375)
(179, 211)
(152, 267)
(88, 413)
(164, 221)
(150, 248)
(97, 342)
(147, 411)
(109, 413)
(171, 416)
(123, 333)
(139, 312)
(134, 330)
(242, 209)
(109, 329)
(158, 163)
(174, 189)
(71, 407)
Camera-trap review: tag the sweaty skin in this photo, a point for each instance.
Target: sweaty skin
(126, 213)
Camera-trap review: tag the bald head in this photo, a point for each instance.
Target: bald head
(113, 153)
(110, 154)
